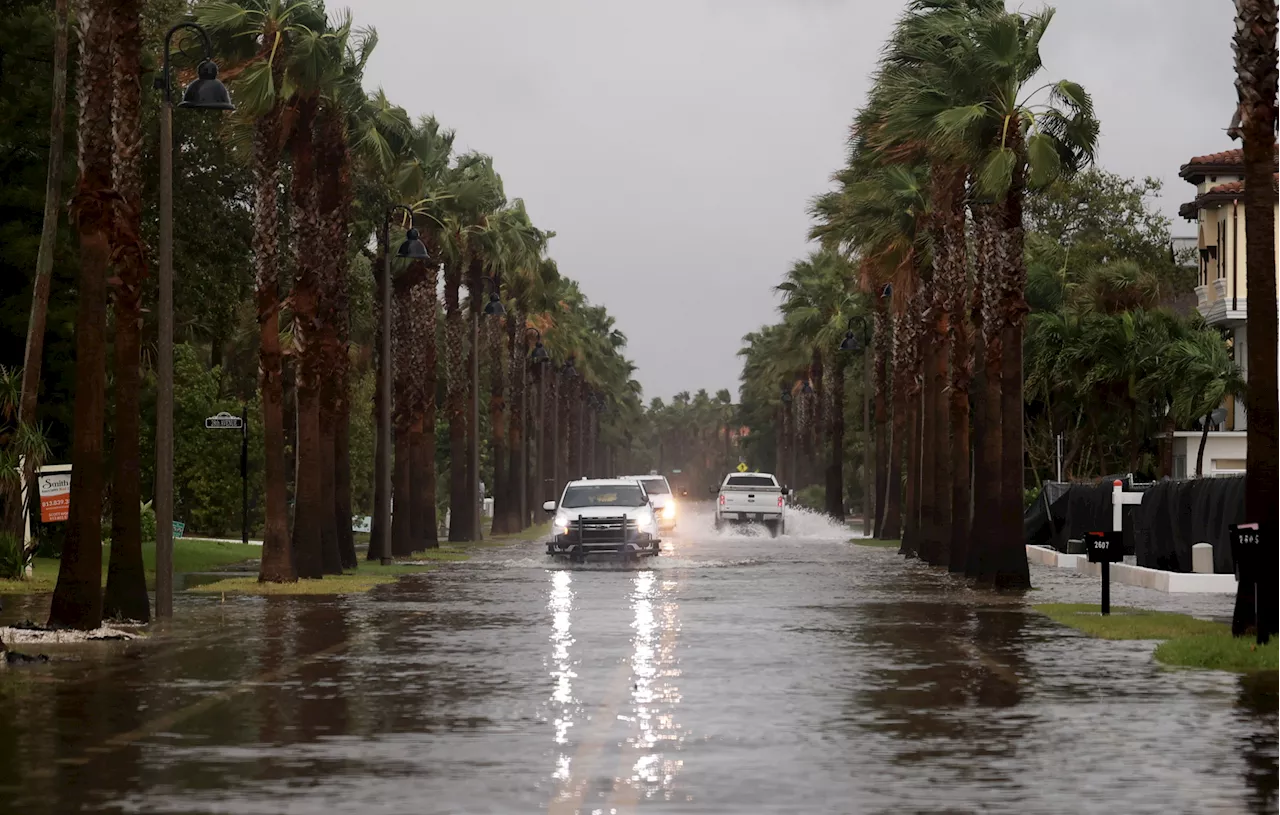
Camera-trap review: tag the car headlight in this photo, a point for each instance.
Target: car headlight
(669, 511)
(561, 524)
(644, 518)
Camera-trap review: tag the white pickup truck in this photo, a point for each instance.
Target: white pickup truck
(746, 498)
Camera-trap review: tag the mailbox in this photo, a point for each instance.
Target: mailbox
(1104, 547)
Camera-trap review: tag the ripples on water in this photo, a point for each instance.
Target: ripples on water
(733, 674)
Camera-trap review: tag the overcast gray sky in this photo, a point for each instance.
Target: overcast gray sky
(673, 145)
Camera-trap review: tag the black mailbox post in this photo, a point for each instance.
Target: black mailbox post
(1105, 548)
(1253, 549)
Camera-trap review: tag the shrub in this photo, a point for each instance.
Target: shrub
(812, 497)
(13, 559)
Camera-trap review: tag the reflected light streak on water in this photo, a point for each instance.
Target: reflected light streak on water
(561, 607)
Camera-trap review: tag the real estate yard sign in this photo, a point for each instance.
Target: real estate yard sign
(55, 492)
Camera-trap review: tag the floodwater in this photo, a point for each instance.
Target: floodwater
(734, 674)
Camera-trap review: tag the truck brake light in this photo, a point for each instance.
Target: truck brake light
(721, 499)
(779, 500)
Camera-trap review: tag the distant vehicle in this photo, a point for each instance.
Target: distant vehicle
(664, 503)
(610, 516)
(745, 498)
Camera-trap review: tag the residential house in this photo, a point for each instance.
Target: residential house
(1221, 296)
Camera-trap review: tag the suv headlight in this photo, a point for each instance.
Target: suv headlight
(644, 518)
(560, 526)
(669, 511)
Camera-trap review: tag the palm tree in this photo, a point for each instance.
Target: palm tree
(264, 33)
(34, 355)
(1205, 375)
(312, 76)
(1255, 51)
(469, 217)
(816, 306)
(424, 178)
(1050, 139)
(77, 598)
(126, 592)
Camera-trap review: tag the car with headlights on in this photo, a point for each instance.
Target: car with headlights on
(603, 516)
(660, 495)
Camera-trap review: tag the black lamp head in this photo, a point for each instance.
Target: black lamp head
(806, 388)
(786, 396)
(494, 307)
(413, 247)
(850, 342)
(207, 92)
(569, 370)
(539, 355)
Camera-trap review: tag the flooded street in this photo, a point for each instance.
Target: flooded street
(733, 674)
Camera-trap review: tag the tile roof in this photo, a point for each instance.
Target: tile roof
(1219, 193)
(1224, 160)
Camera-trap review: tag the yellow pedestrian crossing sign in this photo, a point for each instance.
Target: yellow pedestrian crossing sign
(742, 466)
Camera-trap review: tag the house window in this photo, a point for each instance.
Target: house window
(1228, 465)
(1179, 467)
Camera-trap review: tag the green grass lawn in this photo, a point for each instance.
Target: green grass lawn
(189, 555)
(196, 555)
(877, 543)
(1187, 641)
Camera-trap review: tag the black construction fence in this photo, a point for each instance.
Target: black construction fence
(1159, 532)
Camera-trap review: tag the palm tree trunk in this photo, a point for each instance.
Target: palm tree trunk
(880, 373)
(891, 527)
(552, 470)
(377, 535)
(475, 303)
(500, 454)
(77, 598)
(985, 308)
(342, 511)
(277, 550)
(406, 427)
(835, 465)
(309, 553)
(1204, 439)
(517, 498)
(1255, 52)
(34, 355)
(333, 197)
(947, 225)
(910, 546)
(1010, 555)
(126, 596)
(423, 294)
(460, 510)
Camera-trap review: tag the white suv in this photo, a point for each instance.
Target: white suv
(603, 516)
(664, 503)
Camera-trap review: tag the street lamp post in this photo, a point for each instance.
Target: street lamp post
(413, 248)
(537, 357)
(206, 93)
(860, 342)
(493, 308)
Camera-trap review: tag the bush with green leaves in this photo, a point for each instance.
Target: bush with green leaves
(13, 559)
(812, 497)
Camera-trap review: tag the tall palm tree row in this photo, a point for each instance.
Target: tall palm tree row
(957, 130)
(328, 160)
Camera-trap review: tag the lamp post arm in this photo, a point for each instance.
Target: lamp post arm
(166, 86)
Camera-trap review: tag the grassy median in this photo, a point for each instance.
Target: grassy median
(877, 543)
(196, 555)
(1186, 641)
(189, 555)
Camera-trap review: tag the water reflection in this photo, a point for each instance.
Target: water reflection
(561, 606)
(653, 691)
(1257, 703)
